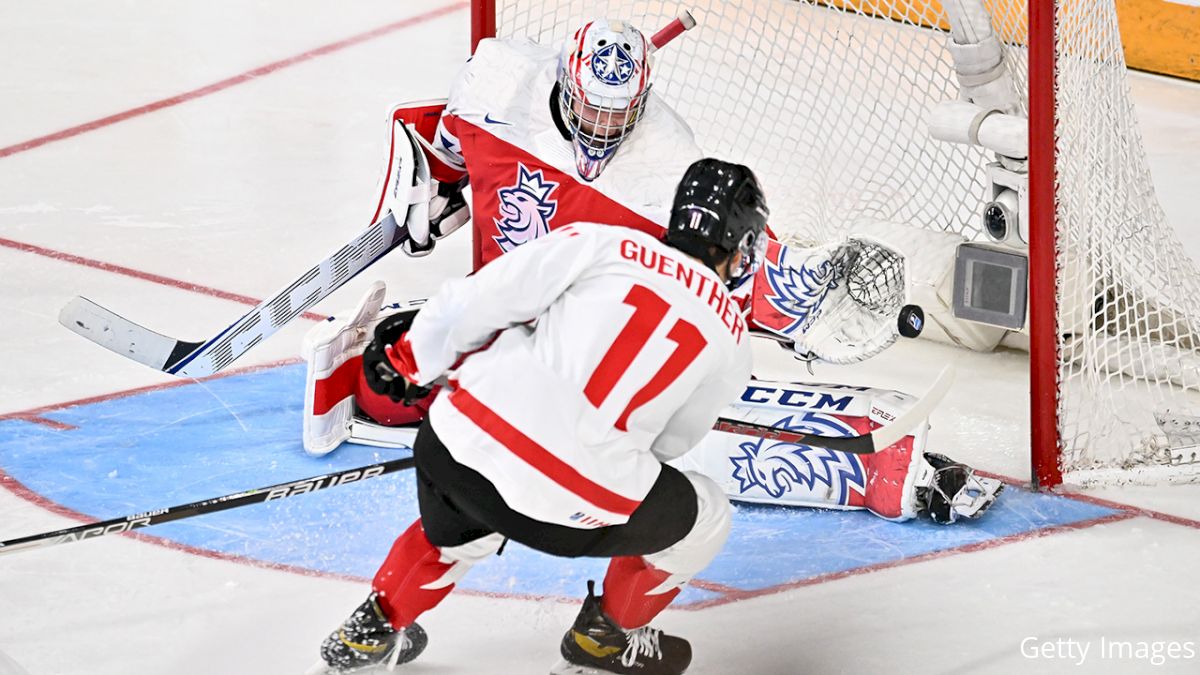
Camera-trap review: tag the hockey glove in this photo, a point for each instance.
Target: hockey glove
(387, 362)
(448, 208)
(836, 303)
(447, 212)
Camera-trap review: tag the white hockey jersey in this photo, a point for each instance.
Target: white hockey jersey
(591, 355)
(498, 127)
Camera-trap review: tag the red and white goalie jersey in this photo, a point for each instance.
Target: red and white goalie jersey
(590, 356)
(499, 127)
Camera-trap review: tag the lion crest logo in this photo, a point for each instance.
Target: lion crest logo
(778, 468)
(797, 292)
(525, 209)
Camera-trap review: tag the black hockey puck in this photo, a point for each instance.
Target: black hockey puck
(912, 320)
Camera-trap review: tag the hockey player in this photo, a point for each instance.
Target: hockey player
(550, 135)
(577, 365)
(546, 136)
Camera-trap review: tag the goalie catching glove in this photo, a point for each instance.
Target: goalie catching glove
(837, 303)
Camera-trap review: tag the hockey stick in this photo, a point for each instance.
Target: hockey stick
(682, 22)
(865, 444)
(199, 359)
(371, 433)
(231, 501)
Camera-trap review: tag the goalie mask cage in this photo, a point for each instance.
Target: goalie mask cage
(828, 101)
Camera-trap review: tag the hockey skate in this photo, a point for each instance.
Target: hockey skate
(366, 643)
(948, 490)
(596, 645)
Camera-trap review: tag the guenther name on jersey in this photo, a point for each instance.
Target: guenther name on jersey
(710, 291)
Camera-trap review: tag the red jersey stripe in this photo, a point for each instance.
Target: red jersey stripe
(538, 457)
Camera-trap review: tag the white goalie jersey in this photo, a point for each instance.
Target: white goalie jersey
(499, 127)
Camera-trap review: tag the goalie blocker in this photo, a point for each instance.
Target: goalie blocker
(446, 209)
(899, 483)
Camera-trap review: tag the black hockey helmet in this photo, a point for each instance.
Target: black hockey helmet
(719, 205)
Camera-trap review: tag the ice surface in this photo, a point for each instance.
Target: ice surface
(241, 189)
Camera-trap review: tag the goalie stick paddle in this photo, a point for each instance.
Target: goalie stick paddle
(865, 444)
(232, 501)
(199, 359)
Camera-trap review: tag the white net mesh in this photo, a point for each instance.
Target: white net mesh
(828, 103)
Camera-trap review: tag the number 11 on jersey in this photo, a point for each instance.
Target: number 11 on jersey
(649, 310)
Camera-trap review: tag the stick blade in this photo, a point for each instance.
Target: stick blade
(122, 336)
(904, 424)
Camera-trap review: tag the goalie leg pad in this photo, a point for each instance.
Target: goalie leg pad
(333, 350)
(335, 387)
(767, 471)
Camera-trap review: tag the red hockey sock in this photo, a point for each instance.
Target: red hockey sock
(626, 585)
(412, 563)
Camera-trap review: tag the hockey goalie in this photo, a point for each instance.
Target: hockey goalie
(544, 136)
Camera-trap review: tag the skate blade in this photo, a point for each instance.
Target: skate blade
(322, 668)
(565, 667)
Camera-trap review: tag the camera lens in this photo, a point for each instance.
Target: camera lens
(995, 221)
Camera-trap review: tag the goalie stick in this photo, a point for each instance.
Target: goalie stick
(199, 359)
(864, 444)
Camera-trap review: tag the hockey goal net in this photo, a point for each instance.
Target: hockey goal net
(829, 102)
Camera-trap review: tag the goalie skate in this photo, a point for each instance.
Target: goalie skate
(949, 490)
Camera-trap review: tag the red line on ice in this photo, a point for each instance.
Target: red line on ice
(737, 595)
(34, 415)
(1134, 510)
(19, 489)
(1108, 503)
(144, 276)
(231, 81)
(728, 594)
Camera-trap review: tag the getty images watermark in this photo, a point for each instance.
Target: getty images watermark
(1082, 652)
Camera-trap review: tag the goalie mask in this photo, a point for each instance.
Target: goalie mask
(719, 205)
(604, 81)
